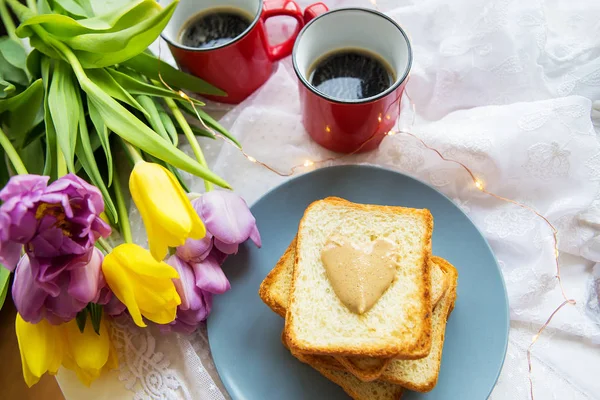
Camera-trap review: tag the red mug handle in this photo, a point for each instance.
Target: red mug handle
(314, 11)
(275, 8)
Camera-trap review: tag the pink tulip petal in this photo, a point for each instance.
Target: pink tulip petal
(210, 276)
(191, 297)
(226, 247)
(114, 306)
(28, 296)
(64, 307)
(255, 236)
(86, 281)
(195, 251)
(19, 184)
(226, 216)
(9, 254)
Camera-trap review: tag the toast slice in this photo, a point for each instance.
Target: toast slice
(419, 375)
(275, 290)
(399, 324)
(354, 387)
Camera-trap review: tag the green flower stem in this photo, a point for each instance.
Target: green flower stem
(132, 152)
(100, 246)
(185, 127)
(8, 22)
(105, 244)
(32, 5)
(12, 154)
(121, 208)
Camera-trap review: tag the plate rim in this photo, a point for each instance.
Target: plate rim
(290, 181)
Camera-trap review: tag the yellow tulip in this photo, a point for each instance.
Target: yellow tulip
(87, 353)
(41, 346)
(143, 284)
(167, 213)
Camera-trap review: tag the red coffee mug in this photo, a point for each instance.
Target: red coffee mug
(241, 66)
(350, 126)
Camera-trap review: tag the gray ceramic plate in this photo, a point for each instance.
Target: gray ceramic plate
(245, 335)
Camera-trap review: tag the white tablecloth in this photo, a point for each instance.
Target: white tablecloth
(506, 87)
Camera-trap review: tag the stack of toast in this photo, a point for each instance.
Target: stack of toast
(394, 345)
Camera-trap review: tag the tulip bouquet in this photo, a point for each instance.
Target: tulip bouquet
(87, 90)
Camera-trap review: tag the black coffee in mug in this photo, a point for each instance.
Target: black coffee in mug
(351, 74)
(214, 27)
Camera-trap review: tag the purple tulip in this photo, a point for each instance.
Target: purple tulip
(227, 216)
(58, 224)
(228, 222)
(195, 302)
(76, 289)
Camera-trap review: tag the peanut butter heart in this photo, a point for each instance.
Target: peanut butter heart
(359, 275)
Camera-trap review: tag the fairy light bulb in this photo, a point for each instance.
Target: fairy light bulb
(479, 184)
(251, 159)
(308, 163)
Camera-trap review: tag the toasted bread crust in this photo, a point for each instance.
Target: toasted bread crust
(264, 292)
(324, 364)
(364, 374)
(421, 347)
(448, 304)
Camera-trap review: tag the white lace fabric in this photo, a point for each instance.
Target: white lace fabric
(505, 87)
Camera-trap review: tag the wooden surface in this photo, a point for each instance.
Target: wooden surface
(11, 376)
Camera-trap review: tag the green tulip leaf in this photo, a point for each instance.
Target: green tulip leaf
(150, 66)
(22, 112)
(102, 133)
(208, 120)
(169, 126)
(30, 97)
(97, 53)
(34, 61)
(33, 157)
(85, 155)
(108, 6)
(12, 74)
(198, 132)
(64, 102)
(13, 52)
(80, 319)
(137, 86)
(35, 133)
(80, 8)
(4, 283)
(95, 316)
(51, 146)
(119, 120)
(62, 26)
(40, 45)
(152, 116)
(106, 82)
(44, 7)
(115, 39)
(4, 173)
(6, 89)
